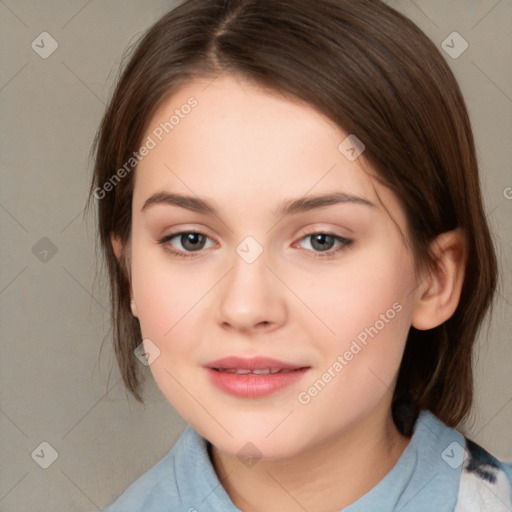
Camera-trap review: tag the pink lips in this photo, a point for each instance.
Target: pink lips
(253, 377)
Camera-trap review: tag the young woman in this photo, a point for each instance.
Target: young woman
(289, 206)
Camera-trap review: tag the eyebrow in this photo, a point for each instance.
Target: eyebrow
(289, 207)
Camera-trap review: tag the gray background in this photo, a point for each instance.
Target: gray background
(56, 385)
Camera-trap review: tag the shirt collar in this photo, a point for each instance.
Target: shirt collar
(426, 477)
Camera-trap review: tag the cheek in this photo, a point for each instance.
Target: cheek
(163, 294)
(167, 305)
(366, 289)
(367, 306)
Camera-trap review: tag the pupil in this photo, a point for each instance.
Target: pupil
(320, 240)
(193, 239)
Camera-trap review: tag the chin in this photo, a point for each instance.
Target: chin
(253, 439)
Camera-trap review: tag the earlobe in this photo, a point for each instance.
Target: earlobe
(438, 296)
(133, 306)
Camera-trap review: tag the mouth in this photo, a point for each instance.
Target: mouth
(246, 371)
(253, 377)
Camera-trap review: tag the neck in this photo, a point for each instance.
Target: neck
(326, 477)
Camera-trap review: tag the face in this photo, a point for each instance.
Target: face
(252, 273)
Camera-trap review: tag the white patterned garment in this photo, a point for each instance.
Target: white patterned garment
(485, 482)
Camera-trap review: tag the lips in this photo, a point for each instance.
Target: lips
(253, 363)
(246, 371)
(253, 377)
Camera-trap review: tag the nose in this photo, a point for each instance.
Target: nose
(251, 298)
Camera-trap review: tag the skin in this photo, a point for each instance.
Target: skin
(246, 151)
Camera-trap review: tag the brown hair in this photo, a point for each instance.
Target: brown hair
(376, 75)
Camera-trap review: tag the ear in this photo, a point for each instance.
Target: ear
(118, 247)
(438, 296)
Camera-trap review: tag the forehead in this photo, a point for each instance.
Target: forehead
(240, 143)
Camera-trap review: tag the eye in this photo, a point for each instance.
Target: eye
(190, 241)
(323, 243)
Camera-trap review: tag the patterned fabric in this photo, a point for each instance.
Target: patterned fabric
(485, 484)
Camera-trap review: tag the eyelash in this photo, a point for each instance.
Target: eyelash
(346, 243)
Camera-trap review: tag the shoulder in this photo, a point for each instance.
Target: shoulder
(152, 485)
(469, 479)
(157, 489)
(485, 483)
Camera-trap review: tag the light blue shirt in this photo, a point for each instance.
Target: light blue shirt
(426, 478)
